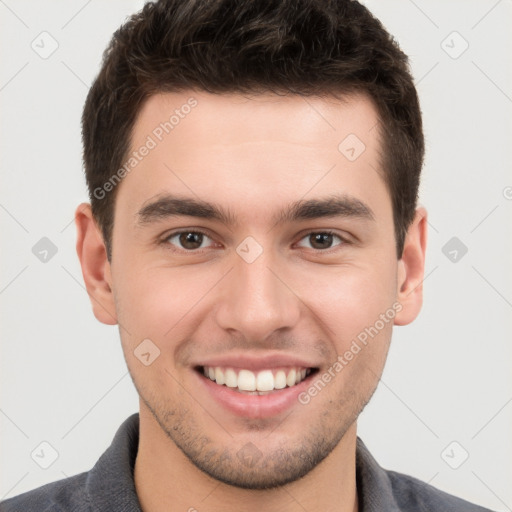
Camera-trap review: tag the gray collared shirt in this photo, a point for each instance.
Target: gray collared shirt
(109, 485)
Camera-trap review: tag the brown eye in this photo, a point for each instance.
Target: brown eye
(322, 240)
(188, 240)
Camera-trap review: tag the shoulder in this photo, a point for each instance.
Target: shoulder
(413, 494)
(108, 485)
(66, 494)
(380, 489)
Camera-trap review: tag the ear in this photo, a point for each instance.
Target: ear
(411, 270)
(92, 254)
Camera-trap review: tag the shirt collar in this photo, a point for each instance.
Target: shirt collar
(110, 484)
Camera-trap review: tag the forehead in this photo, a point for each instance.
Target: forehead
(266, 147)
(243, 117)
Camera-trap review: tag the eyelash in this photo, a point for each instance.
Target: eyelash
(165, 240)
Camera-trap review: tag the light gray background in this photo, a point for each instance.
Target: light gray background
(448, 376)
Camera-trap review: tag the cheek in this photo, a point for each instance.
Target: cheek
(149, 304)
(350, 299)
(160, 303)
(164, 304)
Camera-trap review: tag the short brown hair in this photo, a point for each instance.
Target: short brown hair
(303, 47)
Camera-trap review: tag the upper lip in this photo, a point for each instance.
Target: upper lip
(255, 363)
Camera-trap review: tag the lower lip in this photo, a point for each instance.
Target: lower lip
(254, 406)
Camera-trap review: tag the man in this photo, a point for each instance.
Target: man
(253, 230)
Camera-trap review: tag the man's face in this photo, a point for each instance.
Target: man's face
(257, 293)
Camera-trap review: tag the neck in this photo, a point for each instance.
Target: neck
(165, 480)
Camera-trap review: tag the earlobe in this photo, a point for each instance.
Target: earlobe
(92, 254)
(411, 270)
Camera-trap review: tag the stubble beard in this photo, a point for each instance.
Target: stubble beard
(251, 466)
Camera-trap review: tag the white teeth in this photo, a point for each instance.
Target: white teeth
(219, 376)
(280, 380)
(290, 379)
(265, 381)
(261, 383)
(246, 380)
(231, 380)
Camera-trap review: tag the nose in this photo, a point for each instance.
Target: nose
(257, 299)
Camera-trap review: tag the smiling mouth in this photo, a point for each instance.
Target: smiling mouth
(262, 382)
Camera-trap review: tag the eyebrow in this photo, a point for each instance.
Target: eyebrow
(336, 205)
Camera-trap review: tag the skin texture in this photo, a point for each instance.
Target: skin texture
(253, 155)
